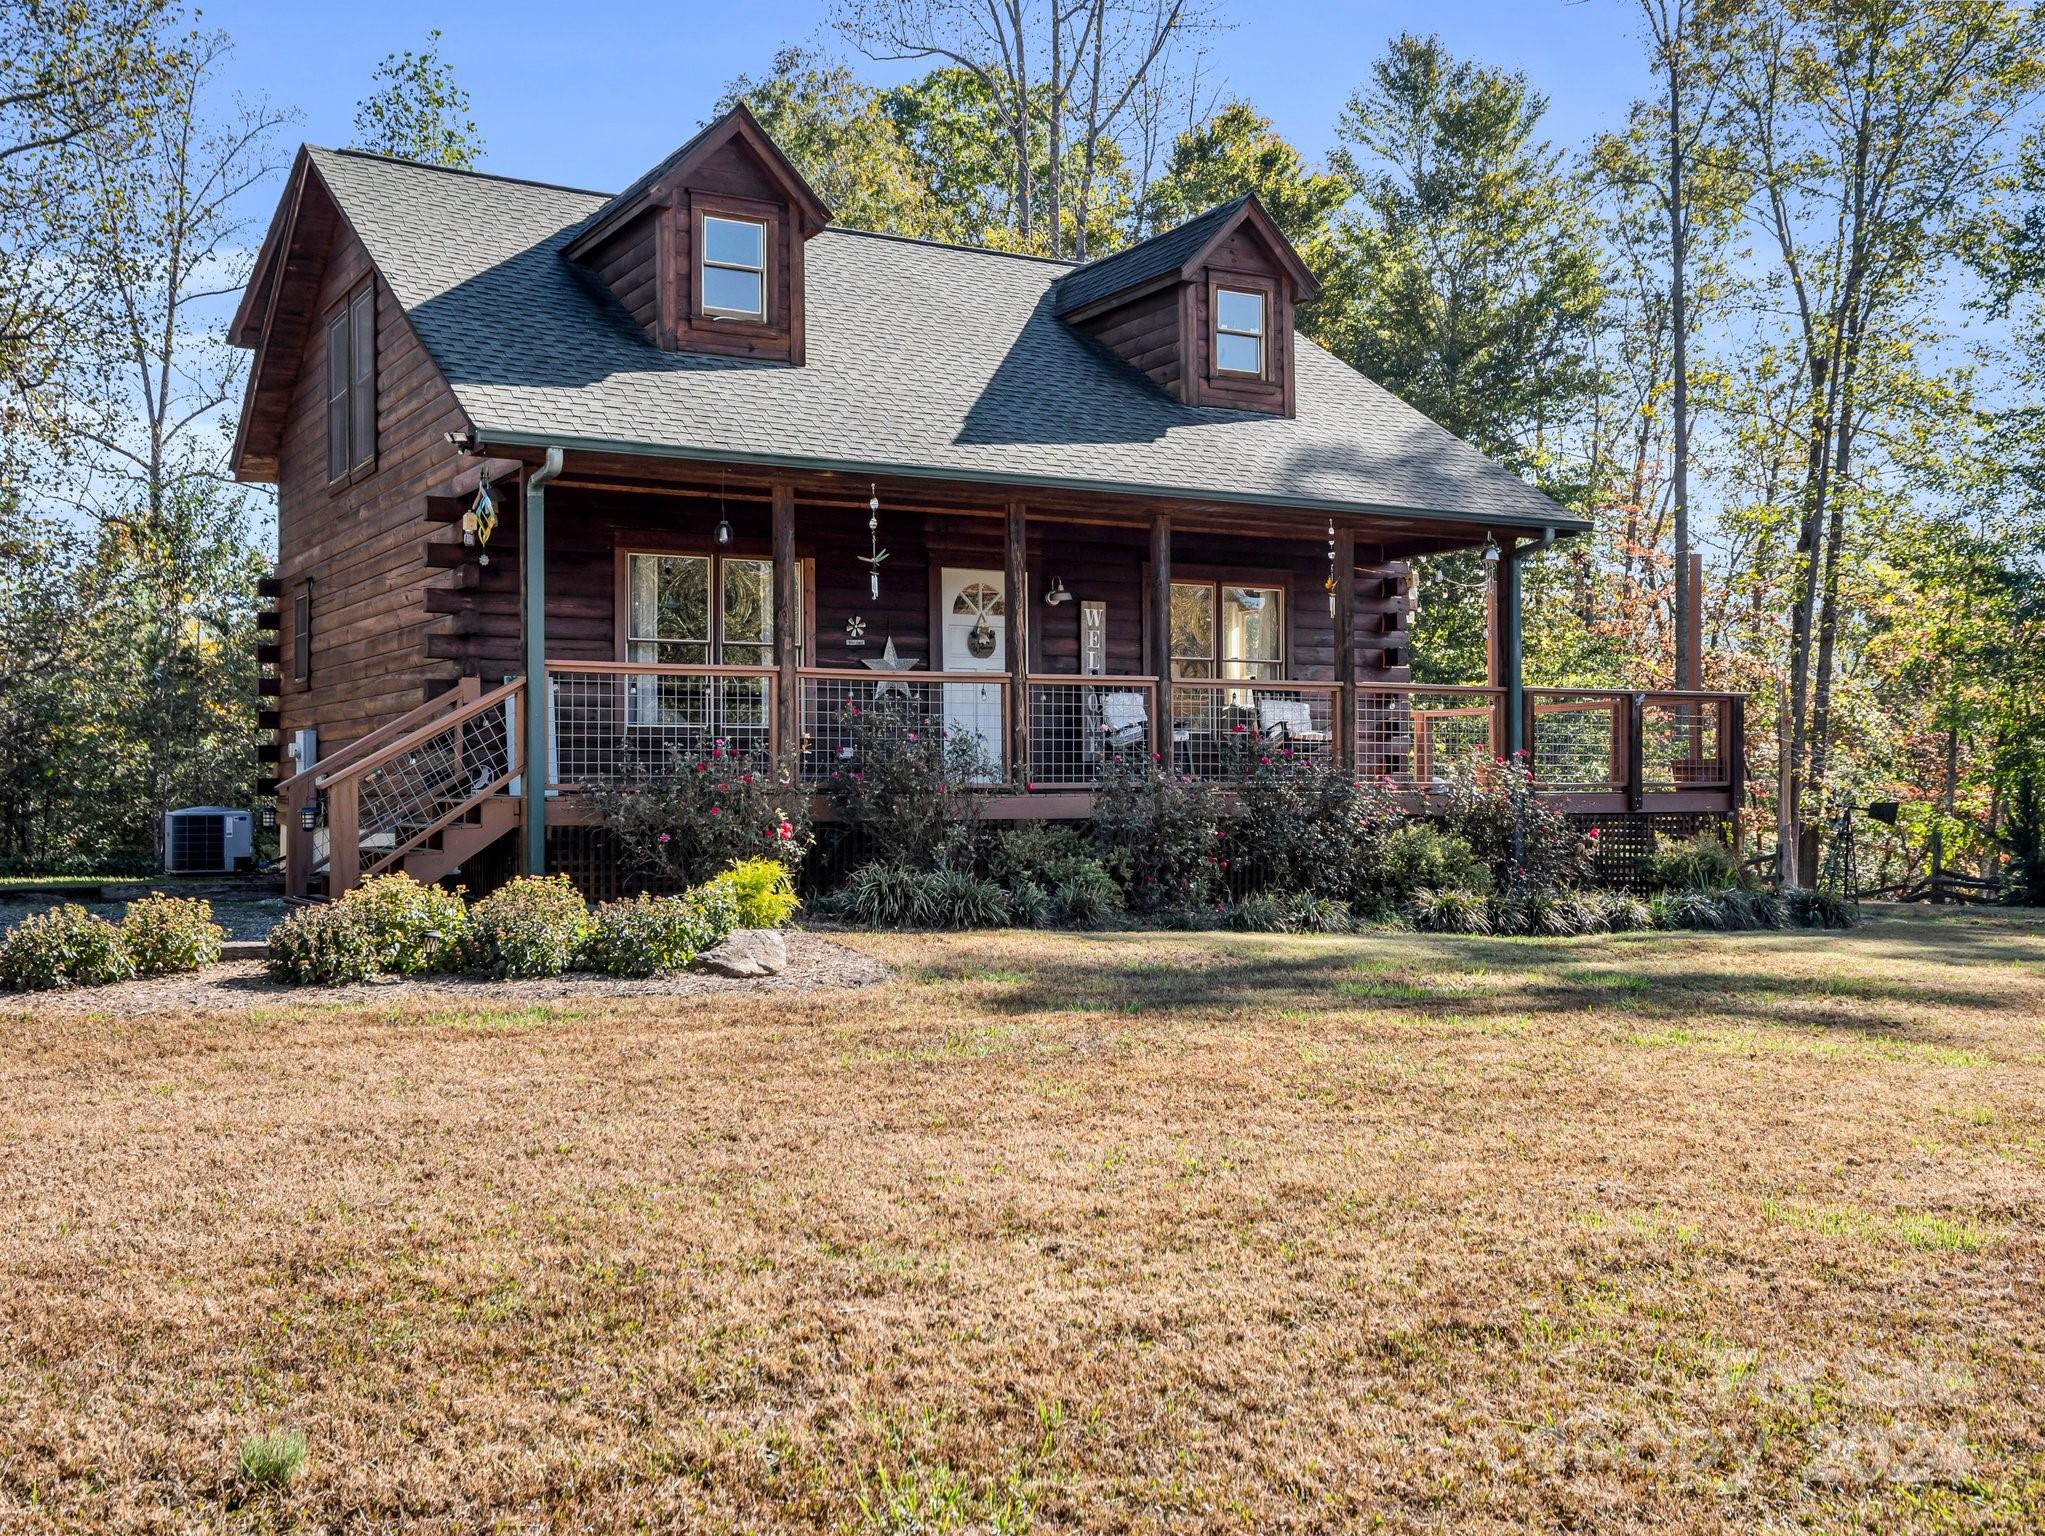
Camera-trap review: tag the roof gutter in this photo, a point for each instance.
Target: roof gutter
(1557, 524)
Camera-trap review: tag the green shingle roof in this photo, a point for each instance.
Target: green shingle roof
(922, 359)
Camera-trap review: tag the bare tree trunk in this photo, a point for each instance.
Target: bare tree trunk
(1685, 599)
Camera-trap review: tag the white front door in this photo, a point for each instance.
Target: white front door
(972, 608)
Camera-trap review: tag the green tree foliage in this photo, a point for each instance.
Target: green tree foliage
(841, 135)
(1469, 282)
(417, 111)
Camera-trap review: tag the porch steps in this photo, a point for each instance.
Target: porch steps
(455, 844)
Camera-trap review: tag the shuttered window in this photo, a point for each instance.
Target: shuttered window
(351, 386)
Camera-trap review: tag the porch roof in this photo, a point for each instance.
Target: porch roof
(922, 360)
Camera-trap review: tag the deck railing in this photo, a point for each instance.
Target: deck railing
(1080, 726)
(1414, 735)
(638, 720)
(967, 710)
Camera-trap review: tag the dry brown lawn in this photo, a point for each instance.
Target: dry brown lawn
(1054, 1233)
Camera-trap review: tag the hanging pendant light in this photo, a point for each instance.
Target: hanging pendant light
(723, 516)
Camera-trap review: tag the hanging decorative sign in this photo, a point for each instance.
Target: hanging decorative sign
(855, 633)
(872, 561)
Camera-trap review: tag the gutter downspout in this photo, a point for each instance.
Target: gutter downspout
(532, 587)
(1515, 643)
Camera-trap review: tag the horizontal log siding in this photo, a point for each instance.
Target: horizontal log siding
(1145, 334)
(362, 545)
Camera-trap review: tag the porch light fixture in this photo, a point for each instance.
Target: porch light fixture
(1057, 594)
(309, 816)
(269, 815)
(723, 516)
(1491, 551)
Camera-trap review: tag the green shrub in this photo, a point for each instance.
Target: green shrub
(1818, 909)
(1688, 909)
(271, 1460)
(64, 947)
(1030, 905)
(1035, 850)
(647, 935)
(682, 826)
(1311, 827)
(907, 782)
(884, 896)
(1451, 911)
(955, 899)
(1705, 862)
(1519, 836)
(1085, 893)
(321, 946)
(169, 934)
(1623, 911)
(1419, 855)
(762, 891)
(532, 926)
(1161, 835)
(410, 926)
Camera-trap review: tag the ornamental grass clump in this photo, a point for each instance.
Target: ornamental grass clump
(884, 896)
(272, 1459)
(410, 926)
(955, 899)
(169, 935)
(321, 946)
(1451, 911)
(64, 947)
(532, 926)
(650, 935)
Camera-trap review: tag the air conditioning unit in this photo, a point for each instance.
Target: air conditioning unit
(207, 840)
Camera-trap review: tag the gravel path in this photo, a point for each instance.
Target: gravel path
(241, 987)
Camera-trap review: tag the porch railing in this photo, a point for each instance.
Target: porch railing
(633, 720)
(1080, 726)
(967, 709)
(1414, 735)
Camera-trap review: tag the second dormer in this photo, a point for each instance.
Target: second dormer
(705, 250)
(1204, 310)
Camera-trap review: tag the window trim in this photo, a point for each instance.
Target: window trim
(301, 636)
(1263, 332)
(705, 266)
(739, 210)
(357, 384)
(1263, 581)
(749, 550)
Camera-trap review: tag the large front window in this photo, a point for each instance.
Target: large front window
(1227, 631)
(699, 610)
(734, 268)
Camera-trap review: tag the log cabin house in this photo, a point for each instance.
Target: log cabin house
(709, 468)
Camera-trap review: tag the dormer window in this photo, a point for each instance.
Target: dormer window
(1239, 332)
(734, 268)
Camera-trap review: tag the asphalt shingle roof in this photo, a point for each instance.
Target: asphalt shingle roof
(921, 359)
(1141, 262)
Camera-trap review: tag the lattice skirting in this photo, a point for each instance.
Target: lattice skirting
(1626, 841)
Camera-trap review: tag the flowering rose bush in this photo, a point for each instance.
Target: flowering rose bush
(706, 813)
(1310, 827)
(1162, 834)
(1525, 842)
(907, 782)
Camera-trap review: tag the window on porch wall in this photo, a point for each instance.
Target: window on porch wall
(1239, 630)
(700, 610)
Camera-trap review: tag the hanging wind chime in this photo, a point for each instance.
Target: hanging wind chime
(872, 561)
(1331, 570)
(479, 522)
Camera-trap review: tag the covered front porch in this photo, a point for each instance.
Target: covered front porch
(679, 614)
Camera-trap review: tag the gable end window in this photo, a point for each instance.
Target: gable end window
(1239, 332)
(351, 386)
(734, 268)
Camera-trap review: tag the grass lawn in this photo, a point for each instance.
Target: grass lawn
(1103, 1233)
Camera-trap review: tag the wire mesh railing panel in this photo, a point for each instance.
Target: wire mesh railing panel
(1415, 738)
(1221, 729)
(1079, 727)
(1577, 743)
(409, 791)
(965, 716)
(636, 724)
(1682, 743)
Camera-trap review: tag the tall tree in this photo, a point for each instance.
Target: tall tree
(1870, 132)
(417, 111)
(1237, 151)
(839, 134)
(1470, 283)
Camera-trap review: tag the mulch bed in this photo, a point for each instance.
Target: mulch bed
(239, 986)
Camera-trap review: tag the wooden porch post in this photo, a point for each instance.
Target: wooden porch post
(1017, 623)
(1345, 646)
(787, 686)
(1161, 622)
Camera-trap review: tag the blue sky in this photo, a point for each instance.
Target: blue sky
(592, 97)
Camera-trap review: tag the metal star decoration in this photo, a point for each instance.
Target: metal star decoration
(888, 661)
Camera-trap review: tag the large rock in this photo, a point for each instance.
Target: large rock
(749, 952)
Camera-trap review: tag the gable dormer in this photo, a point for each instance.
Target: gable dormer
(1204, 311)
(705, 250)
